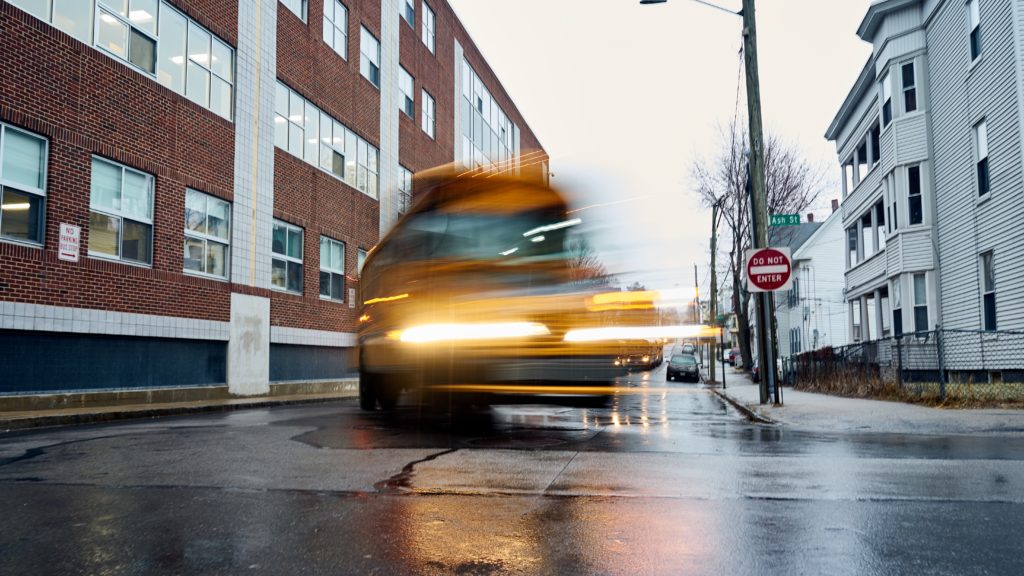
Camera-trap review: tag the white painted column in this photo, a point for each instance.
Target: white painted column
(388, 168)
(459, 55)
(248, 369)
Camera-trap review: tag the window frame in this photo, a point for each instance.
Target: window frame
(408, 104)
(987, 284)
(361, 254)
(303, 5)
(408, 12)
(288, 226)
(429, 30)
(983, 173)
(40, 193)
(920, 307)
(404, 189)
(364, 57)
(909, 92)
(332, 244)
(331, 24)
(121, 216)
(915, 199)
(897, 306)
(885, 99)
(974, 37)
(207, 238)
(99, 9)
(428, 112)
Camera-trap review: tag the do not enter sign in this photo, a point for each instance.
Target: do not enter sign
(768, 270)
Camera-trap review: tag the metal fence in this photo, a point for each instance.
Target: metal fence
(955, 365)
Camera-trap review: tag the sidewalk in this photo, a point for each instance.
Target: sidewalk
(822, 412)
(90, 414)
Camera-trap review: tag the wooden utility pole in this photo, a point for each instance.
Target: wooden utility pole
(758, 200)
(713, 307)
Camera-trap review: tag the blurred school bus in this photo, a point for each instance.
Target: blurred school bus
(472, 293)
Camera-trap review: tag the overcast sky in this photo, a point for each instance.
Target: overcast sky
(626, 97)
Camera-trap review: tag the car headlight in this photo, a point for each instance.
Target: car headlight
(427, 333)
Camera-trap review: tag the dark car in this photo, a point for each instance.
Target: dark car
(733, 354)
(683, 367)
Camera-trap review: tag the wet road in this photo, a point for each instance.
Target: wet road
(668, 479)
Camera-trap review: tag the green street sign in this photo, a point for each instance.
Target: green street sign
(785, 220)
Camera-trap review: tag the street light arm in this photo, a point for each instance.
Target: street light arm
(715, 6)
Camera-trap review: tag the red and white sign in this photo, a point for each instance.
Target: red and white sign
(768, 270)
(70, 236)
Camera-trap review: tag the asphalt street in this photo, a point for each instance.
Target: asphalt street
(667, 479)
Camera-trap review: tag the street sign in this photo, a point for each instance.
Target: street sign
(70, 236)
(768, 269)
(785, 220)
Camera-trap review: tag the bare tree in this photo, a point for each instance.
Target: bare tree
(792, 185)
(585, 267)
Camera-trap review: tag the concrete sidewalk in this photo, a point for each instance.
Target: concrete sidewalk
(822, 412)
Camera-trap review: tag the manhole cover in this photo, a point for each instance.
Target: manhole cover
(517, 442)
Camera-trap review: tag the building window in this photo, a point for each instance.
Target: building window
(195, 63)
(909, 87)
(404, 189)
(914, 205)
(897, 307)
(409, 12)
(368, 179)
(851, 246)
(974, 26)
(305, 131)
(880, 225)
(920, 303)
(886, 100)
(427, 103)
(981, 156)
(405, 86)
(428, 27)
(369, 57)
(336, 27)
(988, 290)
(360, 260)
(128, 30)
(298, 7)
(22, 185)
(121, 212)
(286, 261)
(876, 136)
(867, 235)
(855, 315)
(207, 234)
(487, 133)
(332, 269)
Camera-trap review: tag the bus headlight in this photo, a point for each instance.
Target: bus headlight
(427, 333)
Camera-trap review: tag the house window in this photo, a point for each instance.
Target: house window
(360, 260)
(974, 27)
(369, 57)
(405, 87)
(298, 7)
(332, 269)
(988, 290)
(851, 245)
(428, 27)
(981, 156)
(909, 87)
(886, 100)
(427, 103)
(867, 235)
(920, 303)
(286, 261)
(409, 12)
(22, 185)
(876, 135)
(121, 212)
(855, 315)
(404, 189)
(897, 307)
(336, 27)
(880, 225)
(207, 234)
(128, 30)
(914, 205)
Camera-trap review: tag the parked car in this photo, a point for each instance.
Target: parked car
(734, 353)
(755, 372)
(683, 367)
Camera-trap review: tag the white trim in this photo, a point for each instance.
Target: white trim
(306, 337)
(45, 318)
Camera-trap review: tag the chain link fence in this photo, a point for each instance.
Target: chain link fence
(943, 365)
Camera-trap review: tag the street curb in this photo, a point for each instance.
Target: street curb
(44, 421)
(751, 414)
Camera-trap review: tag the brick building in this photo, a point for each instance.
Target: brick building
(224, 167)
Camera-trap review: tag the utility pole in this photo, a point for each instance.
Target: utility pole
(714, 282)
(758, 200)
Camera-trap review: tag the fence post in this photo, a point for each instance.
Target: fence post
(942, 364)
(899, 361)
